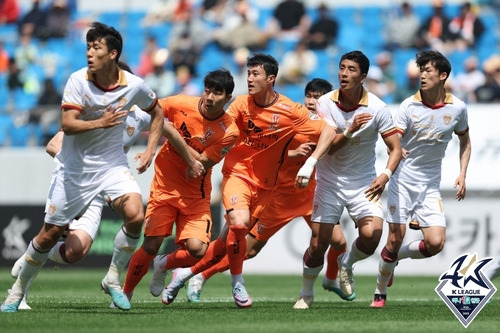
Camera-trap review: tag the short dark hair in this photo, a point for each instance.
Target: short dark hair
(113, 38)
(318, 85)
(268, 62)
(359, 58)
(437, 59)
(220, 80)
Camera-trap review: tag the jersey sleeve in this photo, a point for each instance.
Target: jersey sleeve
(72, 95)
(401, 118)
(385, 122)
(305, 125)
(145, 98)
(463, 122)
(324, 110)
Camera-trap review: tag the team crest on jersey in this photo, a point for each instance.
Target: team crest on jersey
(392, 209)
(130, 130)
(51, 210)
(234, 199)
(464, 288)
(208, 134)
(275, 118)
(447, 119)
(122, 102)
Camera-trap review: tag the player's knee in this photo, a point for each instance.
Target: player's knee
(196, 249)
(434, 246)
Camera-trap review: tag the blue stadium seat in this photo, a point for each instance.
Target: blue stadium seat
(5, 124)
(20, 135)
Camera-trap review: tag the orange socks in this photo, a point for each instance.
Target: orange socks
(215, 252)
(180, 258)
(221, 266)
(137, 268)
(332, 267)
(236, 248)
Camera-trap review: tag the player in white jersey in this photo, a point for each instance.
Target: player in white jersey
(425, 123)
(95, 103)
(346, 177)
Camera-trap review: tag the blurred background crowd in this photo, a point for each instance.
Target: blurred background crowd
(173, 43)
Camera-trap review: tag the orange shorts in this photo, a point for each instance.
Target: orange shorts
(238, 193)
(192, 217)
(283, 208)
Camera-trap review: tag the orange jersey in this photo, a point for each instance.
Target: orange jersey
(265, 135)
(213, 138)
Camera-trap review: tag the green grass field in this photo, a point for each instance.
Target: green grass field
(70, 300)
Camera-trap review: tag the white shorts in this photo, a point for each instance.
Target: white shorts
(329, 203)
(69, 199)
(419, 203)
(91, 219)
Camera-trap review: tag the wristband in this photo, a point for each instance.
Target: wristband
(311, 161)
(348, 134)
(387, 172)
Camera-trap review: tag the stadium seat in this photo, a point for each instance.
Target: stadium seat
(5, 124)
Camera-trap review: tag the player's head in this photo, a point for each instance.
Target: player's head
(219, 80)
(262, 71)
(105, 35)
(429, 60)
(313, 91)
(359, 58)
(266, 61)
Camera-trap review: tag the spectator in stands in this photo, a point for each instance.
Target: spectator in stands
(290, 20)
(167, 11)
(161, 80)
(32, 20)
(240, 71)
(216, 12)
(146, 62)
(380, 78)
(9, 11)
(56, 21)
(187, 39)
(466, 83)
(14, 77)
(434, 32)
(297, 64)
(4, 59)
(184, 83)
(26, 52)
(48, 110)
(412, 82)
(466, 28)
(402, 29)
(323, 31)
(240, 29)
(489, 92)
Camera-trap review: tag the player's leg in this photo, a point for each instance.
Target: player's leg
(492, 271)
(337, 247)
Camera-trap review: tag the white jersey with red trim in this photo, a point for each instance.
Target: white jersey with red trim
(426, 133)
(100, 149)
(353, 165)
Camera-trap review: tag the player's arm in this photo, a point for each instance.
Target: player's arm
(304, 149)
(188, 154)
(155, 130)
(71, 124)
(393, 143)
(55, 144)
(465, 151)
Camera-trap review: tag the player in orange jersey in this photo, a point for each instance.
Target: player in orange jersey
(268, 121)
(288, 202)
(173, 198)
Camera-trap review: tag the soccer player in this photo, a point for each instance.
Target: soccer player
(492, 271)
(425, 123)
(211, 133)
(268, 121)
(96, 100)
(346, 177)
(287, 203)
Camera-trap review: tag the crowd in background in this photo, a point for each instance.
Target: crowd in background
(173, 45)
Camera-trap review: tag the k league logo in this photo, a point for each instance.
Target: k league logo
(464, 288)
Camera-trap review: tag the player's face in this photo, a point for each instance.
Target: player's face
(350, 75)
(213, 101)
(257, 80)
(98, 55)
(311, 100)
(430, 78)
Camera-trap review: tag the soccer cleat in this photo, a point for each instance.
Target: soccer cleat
(303, 302)
(119, 298)
(240, 295)
(24, 303)
(159, 274)
(346, 278)
(170, 293)
(12, 302)
(112, 305)
(334, 286)
(378, 301)
(17, 266)
(195, 287)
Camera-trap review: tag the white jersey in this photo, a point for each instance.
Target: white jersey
(353, 165)
(137, 121)
(101, 149)
(426, 132)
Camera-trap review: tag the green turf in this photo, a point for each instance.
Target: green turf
(69, 300)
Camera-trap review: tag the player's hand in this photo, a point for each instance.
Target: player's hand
(460, 183)
(304, 174)
(404, 153)
(195, 170)
(145, 159)
(374, 192)
(359, 120)
(112, 116)
(304, 149)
